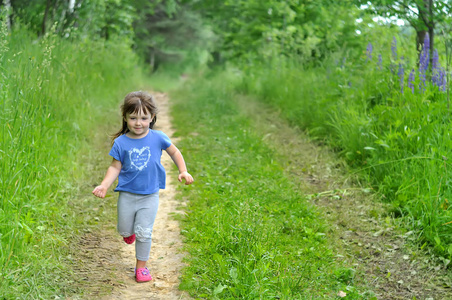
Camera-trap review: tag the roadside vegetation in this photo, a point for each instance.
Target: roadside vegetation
(388, 118)
(54, 95)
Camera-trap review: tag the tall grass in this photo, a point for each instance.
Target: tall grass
(53, 95)
(400, 140)
(249, 231)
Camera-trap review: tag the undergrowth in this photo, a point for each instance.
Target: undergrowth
(53, 95)
(250, 233)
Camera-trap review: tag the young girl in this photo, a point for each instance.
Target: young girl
(136, 152)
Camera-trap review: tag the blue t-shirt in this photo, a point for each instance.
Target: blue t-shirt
(142, 172)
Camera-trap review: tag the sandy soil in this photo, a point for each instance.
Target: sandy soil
(106, 263)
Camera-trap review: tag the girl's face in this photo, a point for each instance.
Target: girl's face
(138, 124)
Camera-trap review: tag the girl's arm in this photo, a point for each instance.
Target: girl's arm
(178, 159)
(112, 173)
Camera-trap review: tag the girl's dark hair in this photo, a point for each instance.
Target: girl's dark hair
(135, 102)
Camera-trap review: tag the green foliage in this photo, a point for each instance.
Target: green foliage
(425, 16)
(249, 231)
(51, 96)
(164, 32)
(256, 29)
(419, 13)
(90, 18)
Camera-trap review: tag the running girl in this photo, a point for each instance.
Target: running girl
(136, 152)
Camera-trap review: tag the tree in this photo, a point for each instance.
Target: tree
(256, 28)
(422, 15)
(40, 15)
(167, 31)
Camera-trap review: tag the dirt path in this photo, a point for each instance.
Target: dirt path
(107, 264)
(166, 257)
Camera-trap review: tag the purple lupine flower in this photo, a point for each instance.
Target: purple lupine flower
(442, 80)
(369, 50)
(425, 54)
(435, 59)
(436, 69)
(439, 78)
(380, 62)
(394, 48)
(421, 81)
(427, 41)
(401, 74)
(423, 62)
(411, 81)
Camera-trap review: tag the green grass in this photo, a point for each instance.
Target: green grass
(249, 232)
(54, 94)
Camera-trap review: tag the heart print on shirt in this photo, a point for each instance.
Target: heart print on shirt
(139, 158)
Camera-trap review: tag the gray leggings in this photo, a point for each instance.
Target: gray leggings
(136, 214)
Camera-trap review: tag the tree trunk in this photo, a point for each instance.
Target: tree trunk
(420, 36)
(44, 19)
(431, 27)
(431, 34)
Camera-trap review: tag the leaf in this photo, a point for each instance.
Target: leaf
(437, 240)
(233, 274)
(378, 233)
(219, 289)
(341, 294)
(382, 143)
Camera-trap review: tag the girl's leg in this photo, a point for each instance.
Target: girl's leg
(126, 213)
(147, 208)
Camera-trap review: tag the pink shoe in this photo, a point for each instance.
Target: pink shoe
(129, 239)
(143, 275)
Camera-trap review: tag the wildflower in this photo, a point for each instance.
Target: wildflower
(436, 70)
(380, 62)
(411, 81)
(425, 55)
(435, 59)
(401, 74)
(369, 51)
(423, 62)
(394, 48)
(422, 81)
(442, 80)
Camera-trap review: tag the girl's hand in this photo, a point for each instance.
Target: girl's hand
(188, 178)
(100, 191)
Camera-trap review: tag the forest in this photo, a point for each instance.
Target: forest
(254, 87)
